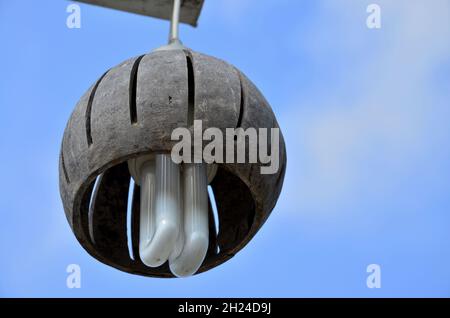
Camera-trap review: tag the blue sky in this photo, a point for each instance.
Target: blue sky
(365, 114)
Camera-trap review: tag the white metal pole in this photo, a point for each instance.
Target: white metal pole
(174, 22)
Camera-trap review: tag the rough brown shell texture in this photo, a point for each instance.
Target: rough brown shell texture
(132, 110)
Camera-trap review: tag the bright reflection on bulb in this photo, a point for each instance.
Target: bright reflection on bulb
(195, 199)
(160, 242)
(174, 214)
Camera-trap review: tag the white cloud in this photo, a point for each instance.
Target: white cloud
(379, 118)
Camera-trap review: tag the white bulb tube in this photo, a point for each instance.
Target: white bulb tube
(195, 215)
(147, 214)
(180, 240)
(167, 213)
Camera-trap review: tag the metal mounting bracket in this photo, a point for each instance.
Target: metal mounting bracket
(162, 9)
